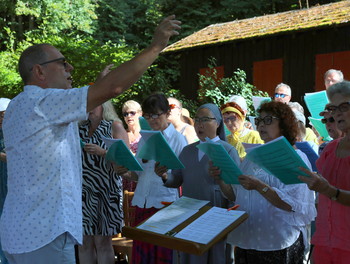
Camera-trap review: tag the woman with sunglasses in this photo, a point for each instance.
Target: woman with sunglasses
(150, 191)
(276, 230)
(332, 235)
(331, 127)
(194, 178)
(175, 117)
(234, 118)
(131, 113)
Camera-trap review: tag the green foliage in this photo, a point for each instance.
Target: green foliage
(218, 91)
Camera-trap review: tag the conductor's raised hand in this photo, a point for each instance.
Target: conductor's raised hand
(167, 28)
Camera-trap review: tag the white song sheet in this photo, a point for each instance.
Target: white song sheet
(171, 216)
(209, 225)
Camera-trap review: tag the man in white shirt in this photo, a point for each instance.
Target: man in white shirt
(42, 220)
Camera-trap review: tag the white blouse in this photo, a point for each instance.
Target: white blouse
(269, 228)
(150, 190)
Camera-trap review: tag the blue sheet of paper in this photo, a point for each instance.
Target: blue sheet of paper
(309, 152)
(220, 158)
(321, 128)
(157, 148)
(278, 158)
(120, 154)
(316, 102)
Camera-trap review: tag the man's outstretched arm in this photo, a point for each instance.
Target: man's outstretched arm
(121, 78)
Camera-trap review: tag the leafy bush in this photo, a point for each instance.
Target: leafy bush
(218, 91)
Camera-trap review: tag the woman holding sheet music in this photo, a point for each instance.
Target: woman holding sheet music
(276, 229)
(102, 187)
(150, 191)
(194, 178)
(332, 236)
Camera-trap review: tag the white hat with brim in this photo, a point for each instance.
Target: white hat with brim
(4, 102)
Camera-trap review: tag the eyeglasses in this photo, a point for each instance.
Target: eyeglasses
(204, 119)
(131, 113)
(327, 120)
(267, 120)
(344, 107)
(230, 118)
(153, 116)
(280, 95)
(173, 106)
(63, 59)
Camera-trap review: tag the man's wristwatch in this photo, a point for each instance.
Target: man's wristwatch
(335, 197)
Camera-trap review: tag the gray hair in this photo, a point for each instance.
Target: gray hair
(296, 106)
(284, 85)
(342, 88)
(340, 74)
(35, 54)
(109, 112)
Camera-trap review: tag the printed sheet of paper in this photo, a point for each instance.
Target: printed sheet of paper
(316, 102)
(257, 101)
(220, 158)
(157, 148)
(209, 225)
(252, 121)
(280, 159)
(119, 153)
(309, 151)
(171, 216)
(321, 128)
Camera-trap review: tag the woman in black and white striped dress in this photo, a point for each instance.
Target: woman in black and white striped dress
(102, 187)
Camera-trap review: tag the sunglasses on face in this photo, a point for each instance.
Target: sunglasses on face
(153, 116)
(327, 120)
(267, 120)
(343, 107)
(280, 95)
(204, 119)
(131, 113)
(63, 59)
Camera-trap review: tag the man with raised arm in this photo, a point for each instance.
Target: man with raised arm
(42, 217)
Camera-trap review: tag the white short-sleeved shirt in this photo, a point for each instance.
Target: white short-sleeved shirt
(44, 168)
(150, 190)
(269, 228)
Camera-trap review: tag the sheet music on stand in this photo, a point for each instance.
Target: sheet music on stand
(213, 224)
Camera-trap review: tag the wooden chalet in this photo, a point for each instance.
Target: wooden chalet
(295, 47)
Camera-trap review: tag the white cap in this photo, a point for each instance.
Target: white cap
(300, 116)
(4, 102)
(240, 101)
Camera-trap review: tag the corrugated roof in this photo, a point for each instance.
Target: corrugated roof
(296, 20)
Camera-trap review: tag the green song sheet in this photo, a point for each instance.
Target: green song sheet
(316, 102)
(144, 124)
(278, 158)
(120, 154)
(321, 128)
(157, 148)
(220, 158)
